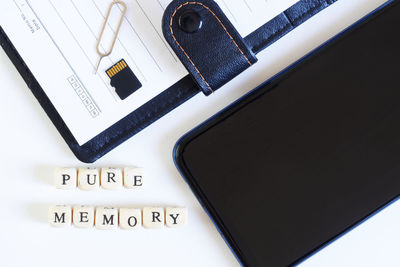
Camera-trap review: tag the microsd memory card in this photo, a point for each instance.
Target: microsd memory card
(123, 79)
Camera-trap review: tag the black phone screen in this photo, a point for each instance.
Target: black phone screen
(306, 157)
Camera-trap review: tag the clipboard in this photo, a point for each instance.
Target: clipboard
(245, 50)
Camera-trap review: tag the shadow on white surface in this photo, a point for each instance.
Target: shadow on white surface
(38, 212)
(45, 174)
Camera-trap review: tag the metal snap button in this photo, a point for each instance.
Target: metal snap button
(190, 21)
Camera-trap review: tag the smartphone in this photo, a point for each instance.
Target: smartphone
(309, 154)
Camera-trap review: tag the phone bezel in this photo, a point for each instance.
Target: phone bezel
(244, 101)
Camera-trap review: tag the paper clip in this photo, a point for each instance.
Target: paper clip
(106, 54)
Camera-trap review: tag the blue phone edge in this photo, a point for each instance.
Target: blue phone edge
(180, 144)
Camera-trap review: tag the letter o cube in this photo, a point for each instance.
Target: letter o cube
(130, 219)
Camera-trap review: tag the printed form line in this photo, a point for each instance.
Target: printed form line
(142, 42)
(62, 54)
(90, 29)
(17, 6)
(163, 8)
(155, 29)
(229, 10)
(83, 51)
(248, 5)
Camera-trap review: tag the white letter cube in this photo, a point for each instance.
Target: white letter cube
(65, 178)
(88, 179)
(153, 217)
(176, 217)
(60, 216)
(111, 178)
(130, 219)
(106, 218)
(83, 216)
(133, 177)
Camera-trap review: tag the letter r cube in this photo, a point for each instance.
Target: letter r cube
(153, 217)
(111, 178)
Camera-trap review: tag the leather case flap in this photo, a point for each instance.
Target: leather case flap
(184, 89)
(206, 42)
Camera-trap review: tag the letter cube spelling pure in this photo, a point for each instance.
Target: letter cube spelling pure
(65, 178)
(88, 179)
(111, 178)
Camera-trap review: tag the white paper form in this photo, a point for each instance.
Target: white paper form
(57, 40)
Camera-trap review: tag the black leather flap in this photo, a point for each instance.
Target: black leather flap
(206, 42)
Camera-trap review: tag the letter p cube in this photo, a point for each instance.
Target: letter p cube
(65, 178)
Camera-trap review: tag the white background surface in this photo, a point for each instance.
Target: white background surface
(31, 147)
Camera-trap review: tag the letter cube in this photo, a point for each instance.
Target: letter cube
(130, 219)
(153, 217)
(83, 216)
(88, 179)
(111, 178)
(133, 178)
(65, 178)
(106, 218)
(60, 216)
(176, 217)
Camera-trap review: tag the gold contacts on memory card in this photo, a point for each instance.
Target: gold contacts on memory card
(123, 79)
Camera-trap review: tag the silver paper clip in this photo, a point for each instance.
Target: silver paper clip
(106, 54)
